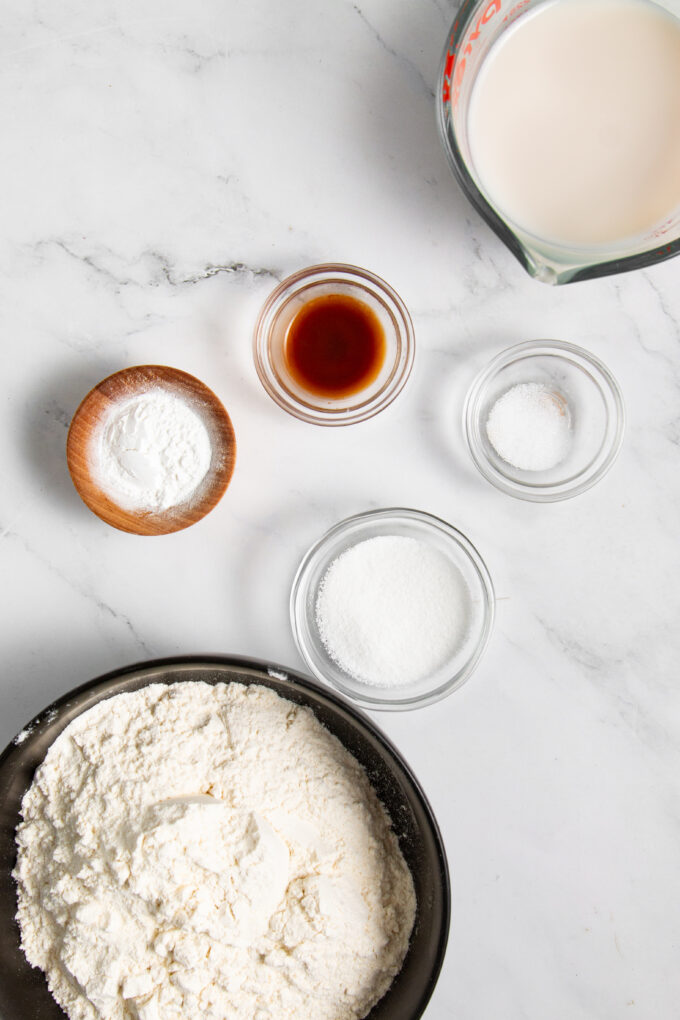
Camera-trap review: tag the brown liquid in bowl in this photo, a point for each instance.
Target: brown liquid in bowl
(335, 346)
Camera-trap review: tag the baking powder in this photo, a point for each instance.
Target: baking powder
(151, 452)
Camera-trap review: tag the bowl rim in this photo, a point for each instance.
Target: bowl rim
(598, 373)
(378, 698)
(296, 686)
(363, 409)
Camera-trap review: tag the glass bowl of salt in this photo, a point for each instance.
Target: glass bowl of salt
(544, 420)
(392, 607)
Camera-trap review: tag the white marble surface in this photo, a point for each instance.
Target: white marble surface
(164, 164)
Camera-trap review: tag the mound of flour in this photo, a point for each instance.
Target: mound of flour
(196, 851)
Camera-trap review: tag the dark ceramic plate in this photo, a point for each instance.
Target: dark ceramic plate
(23, 989)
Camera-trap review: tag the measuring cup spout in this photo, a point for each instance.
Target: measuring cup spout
(545, 273)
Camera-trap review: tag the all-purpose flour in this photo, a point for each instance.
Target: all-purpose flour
(196, 851)
(152, 452)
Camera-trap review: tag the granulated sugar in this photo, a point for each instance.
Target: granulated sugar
(392, 610)
(152, 452)
(529, 427)
(197, 852)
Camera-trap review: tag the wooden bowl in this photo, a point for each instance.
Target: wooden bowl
(95, 409)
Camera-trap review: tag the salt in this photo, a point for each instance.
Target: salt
(152, 452)
(529, 427)
(392, 611)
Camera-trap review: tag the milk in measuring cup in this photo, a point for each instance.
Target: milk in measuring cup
(574, 121)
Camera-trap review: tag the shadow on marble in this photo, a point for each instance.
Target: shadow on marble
(44, 428)
(225, 325)
(268, 562)
(399, 139)
(444, 379)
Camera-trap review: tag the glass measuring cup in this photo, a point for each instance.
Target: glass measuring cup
(478, 24)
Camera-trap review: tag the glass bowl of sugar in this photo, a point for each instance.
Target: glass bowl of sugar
(544, 421)
(392, 607)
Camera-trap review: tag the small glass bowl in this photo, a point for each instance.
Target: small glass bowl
(596, 414)
(411, 524)
(279, 310)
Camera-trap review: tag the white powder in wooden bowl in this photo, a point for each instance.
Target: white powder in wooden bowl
(197, 852)
(151, 452)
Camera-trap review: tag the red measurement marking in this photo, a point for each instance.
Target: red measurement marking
(517, 9)
(663, 228)
(454, 68)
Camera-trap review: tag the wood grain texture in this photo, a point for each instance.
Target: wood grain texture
(95, 409)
